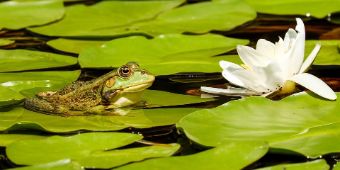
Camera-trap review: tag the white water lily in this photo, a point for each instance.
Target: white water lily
(275, 68)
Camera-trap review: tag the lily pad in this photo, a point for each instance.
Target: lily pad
(235, 155)
(288, 123)
(114, 158)
(6, 139)
(44, 80)
(164, 54)
(20, 118)
(21, 14)
(336, 166)
(73, 45)
(155, 98)
(316, 8)
(16, 60)
(318, 164)
(30, 152)
(65, 164)
(79, 19)
(328, 54)
(4, 42)
(8, 96)
(224, 16)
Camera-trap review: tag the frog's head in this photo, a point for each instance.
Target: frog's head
(124, 87)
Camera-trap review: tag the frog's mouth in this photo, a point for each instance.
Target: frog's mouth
(138, 87)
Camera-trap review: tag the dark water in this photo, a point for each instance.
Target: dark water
(264, 26)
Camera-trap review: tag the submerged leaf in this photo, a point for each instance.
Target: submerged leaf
(235, 155)
(21, 14)
(164, 54)
(17, 60)
(31, 152)
(288, 123)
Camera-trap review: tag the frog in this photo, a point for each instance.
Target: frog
(105, 95)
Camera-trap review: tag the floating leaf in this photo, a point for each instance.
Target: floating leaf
(20, 118)
(8, 96)
(4, 42)
(113, 158)
(79, 19)
(288, 123)
(316, 8)
(21, 14)
(164, 54)
(224, 15)
(328, 54)
(16, 60)
(65, 164)
(336, 166)
(314, 142)
(30, 152)
(318, 164)
(235, 155)
(73, 45)
(45, 80)
(162, 98)
(6, 139)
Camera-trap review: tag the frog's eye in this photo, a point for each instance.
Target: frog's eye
(124, 71)
(110, 82)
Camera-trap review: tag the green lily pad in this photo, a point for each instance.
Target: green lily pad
(21, 14)
(16, 60)
(313, 143)
(64, 164)
(318, 164)
(224, 15)
(79, 19)
(8, 96)
(20, 118)
(73, 45)
(155, 98)
(328, 54)
(44, 80)
(114, 158)
(30, 152)
(316, 8)
(6, 139)
(4, 42)
(288, 123)
(226, 156)
(164, 54)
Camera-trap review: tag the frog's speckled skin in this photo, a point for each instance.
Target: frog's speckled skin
(118, 88)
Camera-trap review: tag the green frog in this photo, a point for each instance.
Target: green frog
(103, 95)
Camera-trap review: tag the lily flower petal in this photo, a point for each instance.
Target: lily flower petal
(298, 49)
(250, 56)
(309, 60)
(315, 85)
(266, 48)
